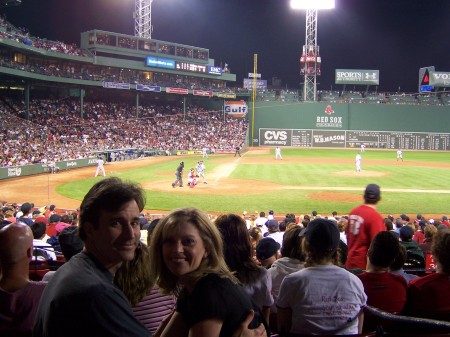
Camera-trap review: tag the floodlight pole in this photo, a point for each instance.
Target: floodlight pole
(143, 18)
(310, 78)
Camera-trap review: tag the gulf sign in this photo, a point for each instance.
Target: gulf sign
(236, 109)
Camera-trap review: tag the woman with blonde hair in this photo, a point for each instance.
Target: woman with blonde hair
(187, 260)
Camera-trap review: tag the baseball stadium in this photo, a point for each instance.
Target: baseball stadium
(170, 118)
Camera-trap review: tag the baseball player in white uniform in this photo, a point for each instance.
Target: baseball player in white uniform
(100, 167)
(363, 148)
(399, 155)
(358, 162)
(200, 168)
(205, 152)
(278, 153)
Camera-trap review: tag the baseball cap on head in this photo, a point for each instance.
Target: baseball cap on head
(322, 235)
(372, 192)
(271, 212)
(266, 248)
(444, 218)
(406, 232)
(272, 224)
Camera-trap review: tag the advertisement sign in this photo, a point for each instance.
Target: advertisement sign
(275, 137)
(261, 85)
(225, 95)
(356, 76)
(439, 79)
(214, 70)
(159, 62)
(325, 138)
(202, 93)
(180, 91)
(236, 109)
(424, 79)
(116, 85)
(144, 87)
(253, 75)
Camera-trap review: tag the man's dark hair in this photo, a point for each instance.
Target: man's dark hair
(38, 229)
(400, 259)
(383, 249)
(70, 242)
(388, 224)
(108, 195)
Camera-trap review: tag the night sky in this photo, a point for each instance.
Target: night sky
(396, 37)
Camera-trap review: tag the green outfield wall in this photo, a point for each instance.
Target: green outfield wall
(350, 125)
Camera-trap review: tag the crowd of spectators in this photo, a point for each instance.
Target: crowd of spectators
(9, 31)
(57, 68)
(55, 130)
(382, 286)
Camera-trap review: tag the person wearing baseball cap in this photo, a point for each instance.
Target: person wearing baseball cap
(364, 223)
(310, 300)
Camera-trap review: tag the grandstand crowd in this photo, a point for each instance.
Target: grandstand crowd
(407, 264)
(56, 131)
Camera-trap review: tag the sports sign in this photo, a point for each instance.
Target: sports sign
(355, 76)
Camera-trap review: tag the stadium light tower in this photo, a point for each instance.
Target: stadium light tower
(310, 59)
(143, 18)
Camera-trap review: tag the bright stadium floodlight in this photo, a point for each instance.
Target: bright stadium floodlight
(312, 4)
(310, 59)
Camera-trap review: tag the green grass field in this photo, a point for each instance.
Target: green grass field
(418, 185)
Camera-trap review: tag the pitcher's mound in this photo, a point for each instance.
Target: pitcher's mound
(363, 173)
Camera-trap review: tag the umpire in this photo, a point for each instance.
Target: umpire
(179, 174)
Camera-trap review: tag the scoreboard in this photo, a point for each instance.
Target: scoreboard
(354, 139)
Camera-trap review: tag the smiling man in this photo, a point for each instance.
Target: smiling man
(81, 299)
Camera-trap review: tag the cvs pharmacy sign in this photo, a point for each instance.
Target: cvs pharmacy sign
(275, 137)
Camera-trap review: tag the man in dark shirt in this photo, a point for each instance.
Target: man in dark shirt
(179, 175)
(83, 289)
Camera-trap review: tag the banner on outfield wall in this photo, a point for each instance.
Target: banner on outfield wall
(27, 170)
(356, 76)
(439, 79)
(185, 152)
(236, 109)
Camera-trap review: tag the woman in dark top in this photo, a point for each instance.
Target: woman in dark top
(187, 261)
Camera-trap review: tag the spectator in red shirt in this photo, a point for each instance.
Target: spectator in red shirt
(429, 296)
(364, 223)
(419, 236)
(384, 290)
